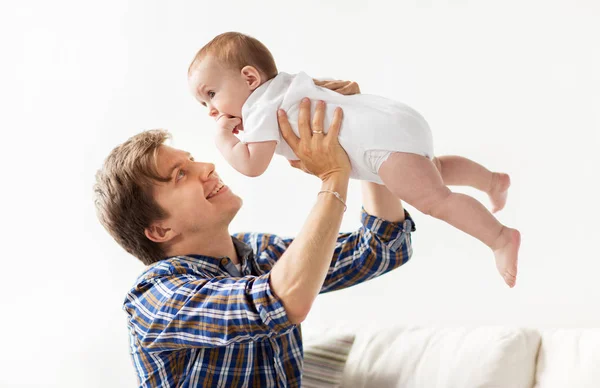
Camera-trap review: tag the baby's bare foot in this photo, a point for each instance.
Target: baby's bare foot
(507, 255)
(499, 190)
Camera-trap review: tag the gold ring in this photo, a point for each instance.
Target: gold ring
(317, 132)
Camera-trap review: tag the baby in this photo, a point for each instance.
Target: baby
(387, 142)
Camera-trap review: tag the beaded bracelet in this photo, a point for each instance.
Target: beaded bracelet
(337, 195)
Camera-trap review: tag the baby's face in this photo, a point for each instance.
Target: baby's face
(223, 91)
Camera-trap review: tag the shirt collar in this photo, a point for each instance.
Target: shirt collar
(217, 264)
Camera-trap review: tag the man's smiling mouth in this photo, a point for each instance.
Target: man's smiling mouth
(218, 188)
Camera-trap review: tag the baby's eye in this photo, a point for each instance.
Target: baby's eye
(211, 94)
(180, 174)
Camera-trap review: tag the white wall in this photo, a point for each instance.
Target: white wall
(514, 85)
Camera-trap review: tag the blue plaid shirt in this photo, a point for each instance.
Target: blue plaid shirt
(196, 321)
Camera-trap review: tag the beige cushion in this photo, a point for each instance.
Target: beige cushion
(451, 357)
(325, 357)
(569, 358)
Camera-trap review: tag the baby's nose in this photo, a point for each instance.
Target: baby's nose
(212, 112)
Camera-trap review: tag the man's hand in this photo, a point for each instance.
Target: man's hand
(320, 153)
(347, 88)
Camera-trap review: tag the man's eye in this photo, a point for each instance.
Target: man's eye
(180, 174)
(211, 94)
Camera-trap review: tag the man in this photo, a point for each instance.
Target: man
(219, 310)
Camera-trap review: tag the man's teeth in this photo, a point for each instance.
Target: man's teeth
(216, 190)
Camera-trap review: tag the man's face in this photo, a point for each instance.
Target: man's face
(195, 198)
(223, 91)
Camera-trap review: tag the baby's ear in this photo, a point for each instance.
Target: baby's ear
(252, 77)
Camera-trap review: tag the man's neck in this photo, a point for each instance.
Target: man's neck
(214, 244)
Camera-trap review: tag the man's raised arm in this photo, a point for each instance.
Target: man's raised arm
(298, 275)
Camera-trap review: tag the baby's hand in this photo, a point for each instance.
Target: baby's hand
(229, 124)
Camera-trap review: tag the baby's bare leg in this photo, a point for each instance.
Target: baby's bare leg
(459, 171)
(416, 180)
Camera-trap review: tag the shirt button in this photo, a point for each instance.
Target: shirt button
(225, 261)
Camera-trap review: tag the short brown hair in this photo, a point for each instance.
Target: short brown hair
(236, 50)
(123, 194)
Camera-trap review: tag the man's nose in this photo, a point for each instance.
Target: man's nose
(204, 170)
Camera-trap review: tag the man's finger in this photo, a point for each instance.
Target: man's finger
(350, 89)
(286, 130)
(346, 90)
(340, 84)
(334, 85)
(304, 119)
(300, 166)
(317, 124)
(336, 123)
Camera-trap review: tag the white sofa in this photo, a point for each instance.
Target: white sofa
(480, 357)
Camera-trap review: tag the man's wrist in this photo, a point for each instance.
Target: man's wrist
(337, 182)
(337, 196)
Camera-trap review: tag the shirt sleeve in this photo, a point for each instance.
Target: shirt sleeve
(183, 311)
(377, 247)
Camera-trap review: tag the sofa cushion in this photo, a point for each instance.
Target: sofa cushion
(325, 357)
(569, 358)
(448, 357)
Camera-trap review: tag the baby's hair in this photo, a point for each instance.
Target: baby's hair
(236, 50)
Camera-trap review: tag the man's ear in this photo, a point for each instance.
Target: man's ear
(159, 233)
(252, 76)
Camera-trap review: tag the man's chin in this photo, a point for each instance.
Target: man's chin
(228, 205)
(239, 205)
(235, 205)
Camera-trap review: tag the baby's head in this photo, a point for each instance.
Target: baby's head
(227, 70)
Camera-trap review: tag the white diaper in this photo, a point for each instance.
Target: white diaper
(375, 159)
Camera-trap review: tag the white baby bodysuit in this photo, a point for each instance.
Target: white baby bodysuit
(371, 124)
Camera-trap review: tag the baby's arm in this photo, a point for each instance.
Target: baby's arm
(251, 159)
